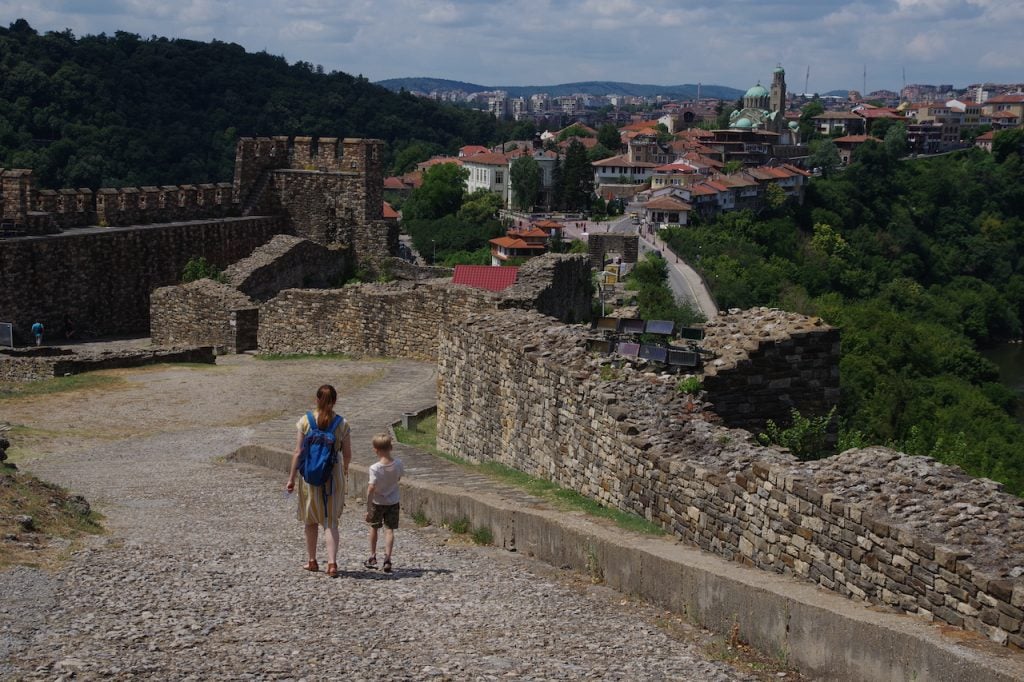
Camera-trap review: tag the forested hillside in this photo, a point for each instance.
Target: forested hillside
(123, 110)
(921, 263)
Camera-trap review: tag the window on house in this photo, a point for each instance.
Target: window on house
(499, 178)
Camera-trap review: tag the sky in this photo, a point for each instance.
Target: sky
(547, 42)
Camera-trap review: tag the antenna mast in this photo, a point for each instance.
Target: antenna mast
(807, 78)
(864, 83)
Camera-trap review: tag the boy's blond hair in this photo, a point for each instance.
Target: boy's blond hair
(382, 441)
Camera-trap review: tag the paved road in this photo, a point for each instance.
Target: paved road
(198, 577)
(684, 281)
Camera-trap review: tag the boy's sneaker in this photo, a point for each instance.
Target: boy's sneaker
(371, 563)
(387, 565)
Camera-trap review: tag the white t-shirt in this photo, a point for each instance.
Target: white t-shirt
(384, 479)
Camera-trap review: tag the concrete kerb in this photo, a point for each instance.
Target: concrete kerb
(817, 632)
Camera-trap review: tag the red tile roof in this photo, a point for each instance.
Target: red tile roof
(1012, 98)
(395, 183)
(587, 142)
(667, 204)
(438, 160)
(640, 126)
(510, 242)
(472, 149)
(489, 277)
(879, 112)
(548, 225)
(389, 212)
(488, 159)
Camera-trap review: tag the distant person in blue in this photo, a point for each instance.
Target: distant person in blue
(37, 331)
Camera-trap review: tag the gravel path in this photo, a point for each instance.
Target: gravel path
(199, 575)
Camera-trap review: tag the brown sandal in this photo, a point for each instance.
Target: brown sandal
(332, 570)
(312, 566)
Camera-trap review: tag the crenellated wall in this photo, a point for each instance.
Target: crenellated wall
(109, 207)
(327, 190)
(881, 527)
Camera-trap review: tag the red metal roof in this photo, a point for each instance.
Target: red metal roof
(490, 277)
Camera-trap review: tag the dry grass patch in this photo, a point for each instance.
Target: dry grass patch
(39, 520)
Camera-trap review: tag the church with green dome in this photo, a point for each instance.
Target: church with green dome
(764, 110)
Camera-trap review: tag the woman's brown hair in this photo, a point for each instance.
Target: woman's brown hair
(326, 396)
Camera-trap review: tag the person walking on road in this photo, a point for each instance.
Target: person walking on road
(321, 431)
(37, 332)
(382, 500)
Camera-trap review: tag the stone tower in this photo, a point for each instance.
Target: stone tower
(777, 101)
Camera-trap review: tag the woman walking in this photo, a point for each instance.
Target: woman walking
(321, 504)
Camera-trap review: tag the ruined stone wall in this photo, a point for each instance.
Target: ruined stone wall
(877, 526)
(102, 278)
(390, 320)
(204, 312)
(626, 245)
(404, 319)
(767, 363)
(288, 262)
(36, 368)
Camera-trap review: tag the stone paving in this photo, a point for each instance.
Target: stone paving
(198, 577)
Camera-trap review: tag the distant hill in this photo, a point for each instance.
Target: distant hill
(688, 90)
(119, 109)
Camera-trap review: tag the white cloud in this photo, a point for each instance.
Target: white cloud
(731, 42)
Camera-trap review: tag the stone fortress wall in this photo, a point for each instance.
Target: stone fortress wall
(874, 525)
(226, 314)
(406, 319)
(121, 244)
(102, 278)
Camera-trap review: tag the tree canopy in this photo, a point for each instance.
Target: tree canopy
(921, 264)
(122, 110)
(525, 178)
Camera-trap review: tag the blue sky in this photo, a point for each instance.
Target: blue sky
(540, 42)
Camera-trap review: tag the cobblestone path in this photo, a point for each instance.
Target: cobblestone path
(198, 576)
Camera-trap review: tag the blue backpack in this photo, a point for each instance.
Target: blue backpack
(319, 455)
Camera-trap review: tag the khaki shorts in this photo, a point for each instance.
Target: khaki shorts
(384, 515)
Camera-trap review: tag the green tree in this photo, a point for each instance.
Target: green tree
(1007, 142)
(824, 155)
(525, 179)
(440, 194)
(608, 136)
(577, 178)
(733, 166)
(480, 207)
(896, 141)
(598, 152)
(575, 130)
(808, 128)
(413, 153)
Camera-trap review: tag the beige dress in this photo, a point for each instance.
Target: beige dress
(311, 497)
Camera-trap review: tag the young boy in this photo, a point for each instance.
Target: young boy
(382, 500)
